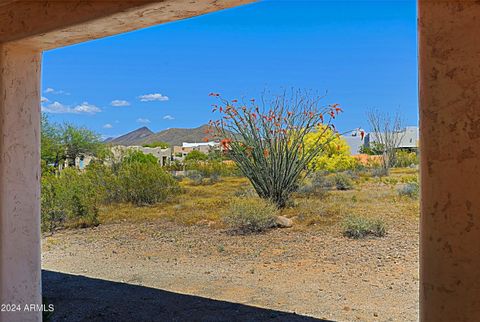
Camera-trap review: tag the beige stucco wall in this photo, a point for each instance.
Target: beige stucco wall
(19, 180)
(449, 41)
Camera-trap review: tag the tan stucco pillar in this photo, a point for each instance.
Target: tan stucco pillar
(19, 180)
(449, 58)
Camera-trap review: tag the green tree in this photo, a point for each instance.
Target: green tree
(67, 142)
(159, 144)
(196, 155)
(387, 132)
(139, 157)
(216, 155)
(374, 149)
(78, 142)
(51, 147)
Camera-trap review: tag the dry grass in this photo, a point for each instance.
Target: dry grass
(199, 204)
(371, 197)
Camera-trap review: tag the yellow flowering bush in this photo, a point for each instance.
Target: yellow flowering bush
(336, 153)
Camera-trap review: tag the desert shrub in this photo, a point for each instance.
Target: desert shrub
(321, 179)
(53, 214)
(379, 172)
(81, 198)
(196, 155)
(175, 165)
(342, 181)
(106, 182)
(205, 169)
(411, 190)
(409, 179)
(196, 177)
(210, 172)
(145, 183)
(139, 157)
(214, 178)
(353, 174)
(250, 215)
(315, 184)
(360, 227)
(404, 159)
(245, 192)
(213, 167)
(69, 199)
(308, 189)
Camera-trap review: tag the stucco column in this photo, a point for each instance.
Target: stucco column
(20, 278)
(449, 58)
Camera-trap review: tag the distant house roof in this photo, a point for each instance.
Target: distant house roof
(409, 137)
(193, 145)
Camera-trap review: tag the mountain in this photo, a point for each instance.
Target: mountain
(109, 139)
(136, 137)
(174, 136)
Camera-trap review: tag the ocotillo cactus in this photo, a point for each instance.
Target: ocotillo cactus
(267, 141)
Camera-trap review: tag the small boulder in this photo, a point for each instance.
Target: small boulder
(283, 222)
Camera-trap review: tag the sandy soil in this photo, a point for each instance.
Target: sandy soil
(316, 273)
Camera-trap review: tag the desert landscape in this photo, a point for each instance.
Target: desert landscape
(311, 268)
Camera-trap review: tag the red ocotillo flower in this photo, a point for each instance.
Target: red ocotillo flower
(225, 143)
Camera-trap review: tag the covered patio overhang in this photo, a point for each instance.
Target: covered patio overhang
(449, 77)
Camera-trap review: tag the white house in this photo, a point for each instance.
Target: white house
(408, 137)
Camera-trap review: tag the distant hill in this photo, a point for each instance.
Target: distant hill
(174, 136)
(136, 137)
(108, 139)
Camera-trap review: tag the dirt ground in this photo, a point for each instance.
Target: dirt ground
(312, 272)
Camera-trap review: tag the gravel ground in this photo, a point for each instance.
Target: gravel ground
(313, 273)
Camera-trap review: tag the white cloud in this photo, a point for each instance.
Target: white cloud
(44, 100)
(168, 117)
(118, 103)
(55, 107)
(143, 121)
(108, 126)
(59, 108)
(153, 97)
(86, 108)
(54, 91)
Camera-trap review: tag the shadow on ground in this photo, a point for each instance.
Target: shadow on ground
(80, 298)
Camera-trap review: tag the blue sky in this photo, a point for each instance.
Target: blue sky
(364, 54)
